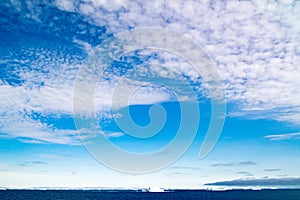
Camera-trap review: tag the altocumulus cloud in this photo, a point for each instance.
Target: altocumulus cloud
(255, 45)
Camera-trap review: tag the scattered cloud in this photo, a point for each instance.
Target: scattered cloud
(259, 182)
(256, 52)
(224, 164)
(286, 136)
(232, 164)
(30, 163)
(255, 46)
(247, 163)
(185, 168)
(34, 131)
(65, 5)
(245, 173)
(272, 170)
(115, 134)
(51, 156)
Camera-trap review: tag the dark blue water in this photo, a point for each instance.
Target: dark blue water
(131, 195)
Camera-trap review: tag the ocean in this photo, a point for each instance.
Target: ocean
(282, 194)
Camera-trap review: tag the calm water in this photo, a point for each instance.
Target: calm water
(88, 195)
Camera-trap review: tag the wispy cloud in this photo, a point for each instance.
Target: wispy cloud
(30, 163)
(286, 136)
(232, 164)
(115, 134)
(272, 170)
(245, 173)
(52, 156)
(259, 182)
(224, 164)
(247, 163)
(186, 168)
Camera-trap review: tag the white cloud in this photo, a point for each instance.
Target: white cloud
(17, 125)
(47, 89)
(86, 9)
(254, 44)
(66, 5)
(115, 134)
(286, 136)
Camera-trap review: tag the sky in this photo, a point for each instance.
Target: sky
(84, 105)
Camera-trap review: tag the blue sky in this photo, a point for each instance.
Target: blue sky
(255, 48)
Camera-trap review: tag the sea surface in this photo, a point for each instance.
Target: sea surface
(130, 195)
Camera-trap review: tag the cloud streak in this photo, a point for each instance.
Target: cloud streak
(233, 164)
(265, 182)
(286, 136)
(245, 173)
(272, 170)
(30, 163)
